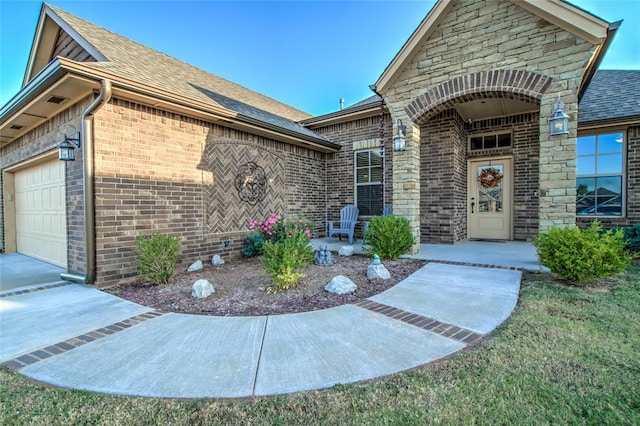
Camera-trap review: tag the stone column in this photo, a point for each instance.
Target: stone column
(558, 161)
(406, 178)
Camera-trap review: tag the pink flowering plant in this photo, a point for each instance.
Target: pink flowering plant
(285, 248)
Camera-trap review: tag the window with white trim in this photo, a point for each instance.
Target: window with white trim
(600, 175)
(369, 171)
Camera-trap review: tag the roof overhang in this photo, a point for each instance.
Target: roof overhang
(349, 114)
(564, 15)
(73, 81)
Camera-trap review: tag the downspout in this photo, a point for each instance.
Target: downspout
(86, 135)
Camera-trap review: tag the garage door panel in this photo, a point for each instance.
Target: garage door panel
(41, 229)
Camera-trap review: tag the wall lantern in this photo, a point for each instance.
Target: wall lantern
(66, 149)
(399, 141)
(559, 121)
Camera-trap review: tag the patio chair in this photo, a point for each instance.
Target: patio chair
(387, 211)
(347, 223)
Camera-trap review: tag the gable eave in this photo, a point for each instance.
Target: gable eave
(564, 15)
(44, 40)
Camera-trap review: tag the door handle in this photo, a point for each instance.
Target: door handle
(473, 203)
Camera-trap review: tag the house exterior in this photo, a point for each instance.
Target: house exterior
(166, 147)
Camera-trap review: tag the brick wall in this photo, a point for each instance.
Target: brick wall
(632, 178)
(340, 166)
(161, 172)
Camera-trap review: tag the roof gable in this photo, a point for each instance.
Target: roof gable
(558, 12)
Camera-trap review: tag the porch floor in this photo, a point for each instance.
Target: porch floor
(515, 254)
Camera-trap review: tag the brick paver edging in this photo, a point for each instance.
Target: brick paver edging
(76, 342)
(34, 289)
(447, 330)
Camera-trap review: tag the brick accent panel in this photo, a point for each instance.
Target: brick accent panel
(161, 172)
(340, 182)
(511, 84)
(632, 178)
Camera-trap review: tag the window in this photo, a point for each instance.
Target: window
(599, 170)
(369, 188)
(492, 141)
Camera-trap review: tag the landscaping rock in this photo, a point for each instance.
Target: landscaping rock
(202, 289)
(341, 285)
(376, 270)
(195, 266)
(217, 260)
(346, 251)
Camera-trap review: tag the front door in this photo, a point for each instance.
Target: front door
(489, 199)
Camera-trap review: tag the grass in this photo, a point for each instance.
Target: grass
(566, 356)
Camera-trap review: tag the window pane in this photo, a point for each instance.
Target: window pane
(609, 164)
(490, 141)
(376, 174)
(586, 165)
(362, 159)
(586, 145)
(362, 175)
(376, 158)
(609, 184)
(585, 186)
(586, 206)
(476, 143)
(610, 143)
(504, 140)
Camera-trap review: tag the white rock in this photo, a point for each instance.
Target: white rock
(378, 272)
(217, 260)
(346, 251)
(341, 285)
(195, 266)
(202, 289)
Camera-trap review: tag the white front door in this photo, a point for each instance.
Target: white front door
(490, 199)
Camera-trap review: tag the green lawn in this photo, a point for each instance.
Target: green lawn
(566, 356)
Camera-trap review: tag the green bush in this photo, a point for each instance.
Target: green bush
(389, 237)
(252, 245)
(284, 260)
(581, 256)
(158, 257)
(632, 236)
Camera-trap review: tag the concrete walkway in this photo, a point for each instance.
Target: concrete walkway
(74, 336)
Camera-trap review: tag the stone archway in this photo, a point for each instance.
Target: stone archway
(523, 85)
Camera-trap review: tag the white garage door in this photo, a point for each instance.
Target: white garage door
(41, 226)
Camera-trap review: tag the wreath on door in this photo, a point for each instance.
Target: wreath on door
(490, 177)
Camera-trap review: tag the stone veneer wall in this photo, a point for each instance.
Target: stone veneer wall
(161, 172)
(362, 133)
(632, 177)
(478, 37)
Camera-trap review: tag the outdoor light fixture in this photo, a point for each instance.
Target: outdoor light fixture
(399, 141)
(559, 121)
(66, 149)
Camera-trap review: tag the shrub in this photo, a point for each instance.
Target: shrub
(389, 236)
(632, 236)
(283, 260)
(158, 257)
(581, 256)
(252, 245)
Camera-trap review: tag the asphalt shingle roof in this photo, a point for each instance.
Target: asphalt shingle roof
(611, 95)
(139, 63)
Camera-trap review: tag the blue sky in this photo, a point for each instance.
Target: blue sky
(308, 54)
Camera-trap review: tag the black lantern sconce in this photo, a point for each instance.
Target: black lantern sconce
(559, 121)
(67, 148)
(399, 141)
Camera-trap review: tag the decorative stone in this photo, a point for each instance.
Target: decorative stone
(341, 285)
(346, 251)
(195, 266)
(323, 256)
(202, 289)
(376, 270)
(217, 260)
